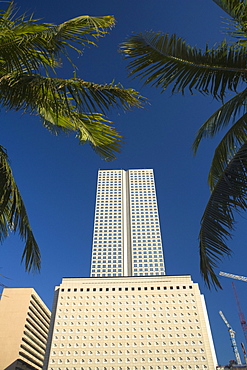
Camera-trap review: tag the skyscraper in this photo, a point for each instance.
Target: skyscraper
(128, 315)
(127, 237)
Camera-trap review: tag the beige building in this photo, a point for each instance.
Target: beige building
(129, 323)
(128, 315)
(24, 325)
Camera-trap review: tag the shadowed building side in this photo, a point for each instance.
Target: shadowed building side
(24, 323)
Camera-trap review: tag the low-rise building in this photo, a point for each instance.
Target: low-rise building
(129, 323)
(24, 323)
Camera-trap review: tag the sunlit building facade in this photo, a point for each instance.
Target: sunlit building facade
(130, 323)
(127, 236)
(128, 315)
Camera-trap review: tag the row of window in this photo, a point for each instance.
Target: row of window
(132, 322)
(176, 341)
(149, 303)
(109, 264)
(135, 315)
(163, 367)
(107, 247)
(109, 269)
(133, 298)
(178, 350)
(79, 339)
(104, 274)
(117, 246)
(184, 326)
(120, 359)
(117, 255)
(126, 288)
(148, 308)
(116, 251)
(156, 269)
(127, 330)
(126, 308)
(142, 250)
(138, 262)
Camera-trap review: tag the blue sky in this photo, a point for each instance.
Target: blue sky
(57, 176)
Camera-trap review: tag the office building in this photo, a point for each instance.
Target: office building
(130, 323)
(127, 237)
(128, 315)
(24, 323)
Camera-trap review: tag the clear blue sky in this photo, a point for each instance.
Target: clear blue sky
(57, 176)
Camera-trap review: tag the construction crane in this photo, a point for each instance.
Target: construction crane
(232, 338)
(244, 352)
(226, 274)
(240, 312)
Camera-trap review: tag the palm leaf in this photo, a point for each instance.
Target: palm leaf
(90, 97)
(218, 220)
(26, 45)
(164, 60)
(89, 128)
(237, 9)
(66, 103)
(29, 50)
(29, 91)
(13, 215)
(223, 116)
(235, 137)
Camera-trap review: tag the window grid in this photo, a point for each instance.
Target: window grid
(110, 223)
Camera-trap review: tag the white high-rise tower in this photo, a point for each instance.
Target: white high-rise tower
(127, 237)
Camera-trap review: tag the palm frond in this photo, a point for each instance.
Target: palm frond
(71, 105)
(164, 60)
(104, 139)
(217, 224)
(29, 50)
(93, 129)
(29, 91)
(237, 24)
(223, 116)
(235, 137)
(26, 45)
(90, 97)
(237, 9)
(13, 215)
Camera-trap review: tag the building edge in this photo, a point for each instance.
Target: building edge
(51, 328)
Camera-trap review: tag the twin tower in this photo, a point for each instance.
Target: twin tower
(127, 238)
(128, 315)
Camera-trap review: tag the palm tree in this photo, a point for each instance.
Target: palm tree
(162, 60)
(30, 53)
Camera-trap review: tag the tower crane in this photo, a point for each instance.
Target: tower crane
(238, 277)
(232, 338)
(244, 352)
(240, 312)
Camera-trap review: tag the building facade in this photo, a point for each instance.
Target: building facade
(130, 323)
(128, 315)
(127, 236)
(24, 323)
